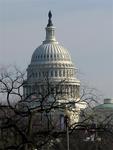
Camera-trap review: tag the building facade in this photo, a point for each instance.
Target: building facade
(51, 68)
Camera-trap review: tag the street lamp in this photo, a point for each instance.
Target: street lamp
(67, 130)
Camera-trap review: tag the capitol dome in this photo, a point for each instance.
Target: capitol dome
(53, 62)
(50, 52)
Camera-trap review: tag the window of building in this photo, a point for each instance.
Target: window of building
(62, 122)
(33, 75)
(39, 74)
(67, 73)
(36, 75)
(43, 73)
(60, 73)
(63, 73)
(51, 73)
(55, 73)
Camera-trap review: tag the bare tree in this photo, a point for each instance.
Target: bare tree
(28, 122)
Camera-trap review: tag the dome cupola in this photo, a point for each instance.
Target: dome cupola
(50, 31)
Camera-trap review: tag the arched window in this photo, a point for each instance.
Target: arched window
(63, 73)
(62, 123)
(36, 75)
(70, 74)
(51, 73)
(67, 73)
(43, 73)
(47, 74)
(55, 73)
(39, 74)
(33, 75)
(60, 73)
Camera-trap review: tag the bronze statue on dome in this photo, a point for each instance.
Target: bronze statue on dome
(49, 20)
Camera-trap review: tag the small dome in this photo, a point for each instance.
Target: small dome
(108, 104)
(104, 106)
(50, 52)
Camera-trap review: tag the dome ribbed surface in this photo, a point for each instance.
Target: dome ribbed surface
(50, 52)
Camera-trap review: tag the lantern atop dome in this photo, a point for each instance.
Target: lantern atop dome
(50, 31)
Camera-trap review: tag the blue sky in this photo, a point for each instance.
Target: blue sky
(82, 26)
